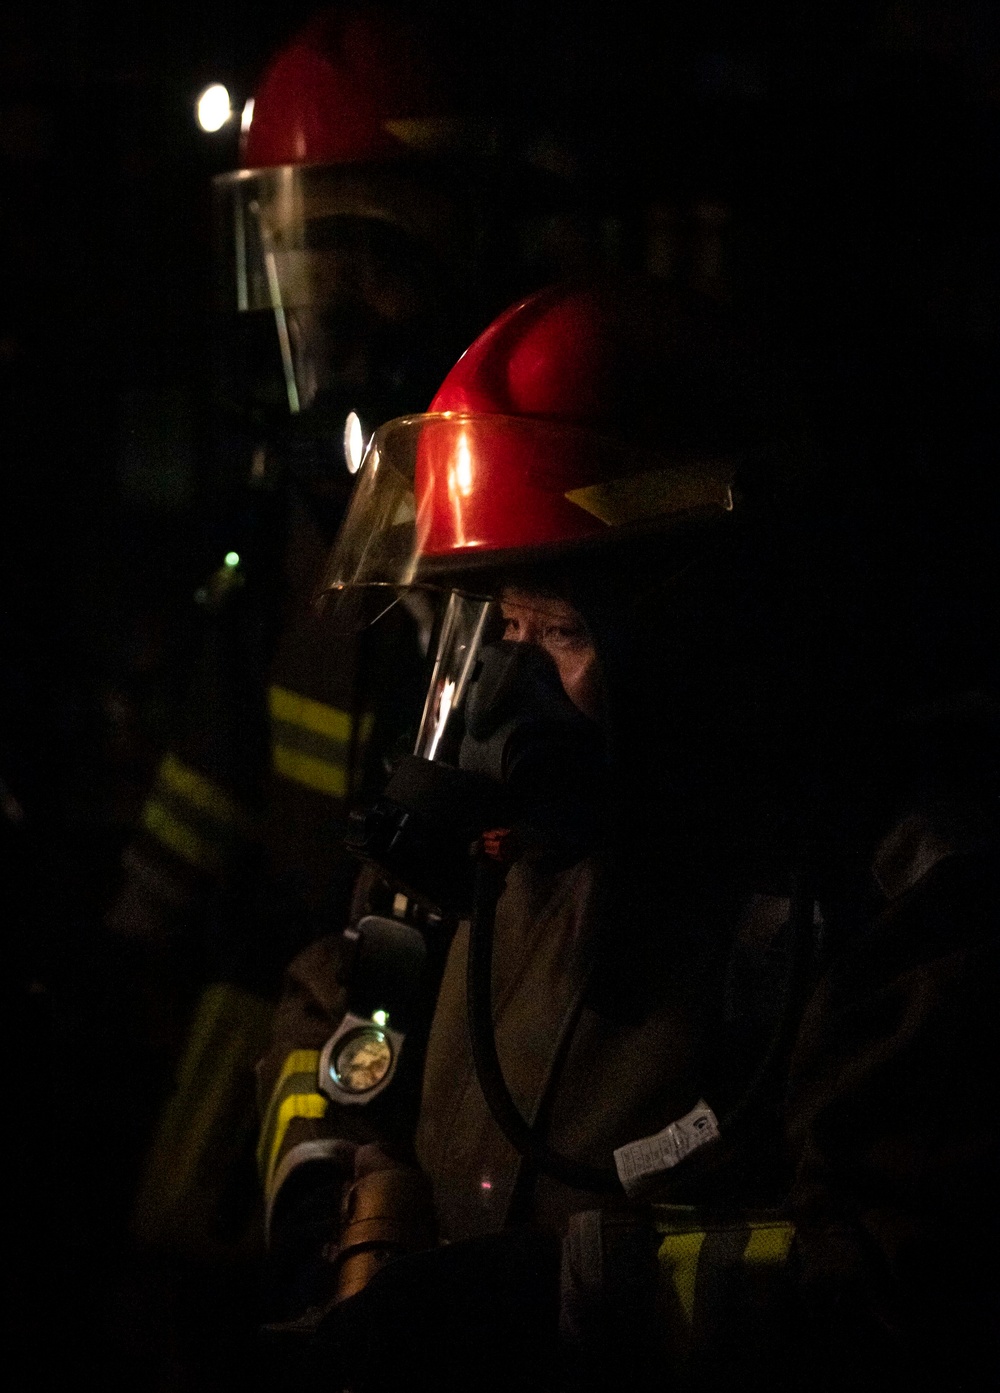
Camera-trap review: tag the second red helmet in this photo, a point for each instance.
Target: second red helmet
(354, 84)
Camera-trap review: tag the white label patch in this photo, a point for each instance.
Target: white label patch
(641, 1160)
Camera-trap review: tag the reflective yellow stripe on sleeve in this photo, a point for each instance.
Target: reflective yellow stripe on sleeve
(679, 1252)
(182, 840)
(769, 1243)
(199, 790)
(294, 1095)
(306, 769)
(295, 1105)
(206, 1121)
(691, 1258)
(311, 743)
(311, 715)
(194, 817)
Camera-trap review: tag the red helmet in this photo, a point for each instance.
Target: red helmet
(352, 85)
(584, 413)
(345, 224)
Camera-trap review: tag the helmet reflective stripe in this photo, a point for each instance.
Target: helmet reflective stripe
(659, 493)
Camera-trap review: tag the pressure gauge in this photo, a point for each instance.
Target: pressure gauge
(362, 1060)
(359, 1059)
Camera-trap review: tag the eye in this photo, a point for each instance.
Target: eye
(511, 627)
(566, 636)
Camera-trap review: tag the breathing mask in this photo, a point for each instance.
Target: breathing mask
(501, 749)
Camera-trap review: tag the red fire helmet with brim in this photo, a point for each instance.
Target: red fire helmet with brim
(352, 85)
(585, 413)
(347, 203)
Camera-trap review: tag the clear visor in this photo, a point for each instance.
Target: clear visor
(440, 499)
(319, 248)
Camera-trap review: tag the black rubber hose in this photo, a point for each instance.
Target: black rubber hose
(479, 1005)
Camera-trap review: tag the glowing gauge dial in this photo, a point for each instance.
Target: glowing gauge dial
(362, 1060)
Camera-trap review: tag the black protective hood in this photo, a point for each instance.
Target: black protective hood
(761, 677)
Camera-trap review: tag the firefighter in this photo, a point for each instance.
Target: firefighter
(701, 1096)
(343, 290)
(357, 246)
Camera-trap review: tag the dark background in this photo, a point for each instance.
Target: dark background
(837, 162)
(834, 167)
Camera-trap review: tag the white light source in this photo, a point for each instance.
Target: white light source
(214, 108)
(354, 442)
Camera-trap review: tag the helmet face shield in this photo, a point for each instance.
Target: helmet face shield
(459, 642)
(377, 545)
(442, 499)
(346, 265)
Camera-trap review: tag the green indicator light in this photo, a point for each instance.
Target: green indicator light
(380, 1017)
(232, 558)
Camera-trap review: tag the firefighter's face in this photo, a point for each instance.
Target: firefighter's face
(561, 631)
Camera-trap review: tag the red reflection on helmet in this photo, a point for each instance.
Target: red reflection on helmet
(557, 357)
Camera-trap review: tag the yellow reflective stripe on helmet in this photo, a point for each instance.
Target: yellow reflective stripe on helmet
(313, 744)
(425, 133)
(676, 488)
(178, 838)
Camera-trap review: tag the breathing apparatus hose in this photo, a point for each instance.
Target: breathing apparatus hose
(488, 886)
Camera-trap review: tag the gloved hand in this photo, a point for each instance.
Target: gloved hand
(478, 1314)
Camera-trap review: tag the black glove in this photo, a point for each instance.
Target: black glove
(482, 1313)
